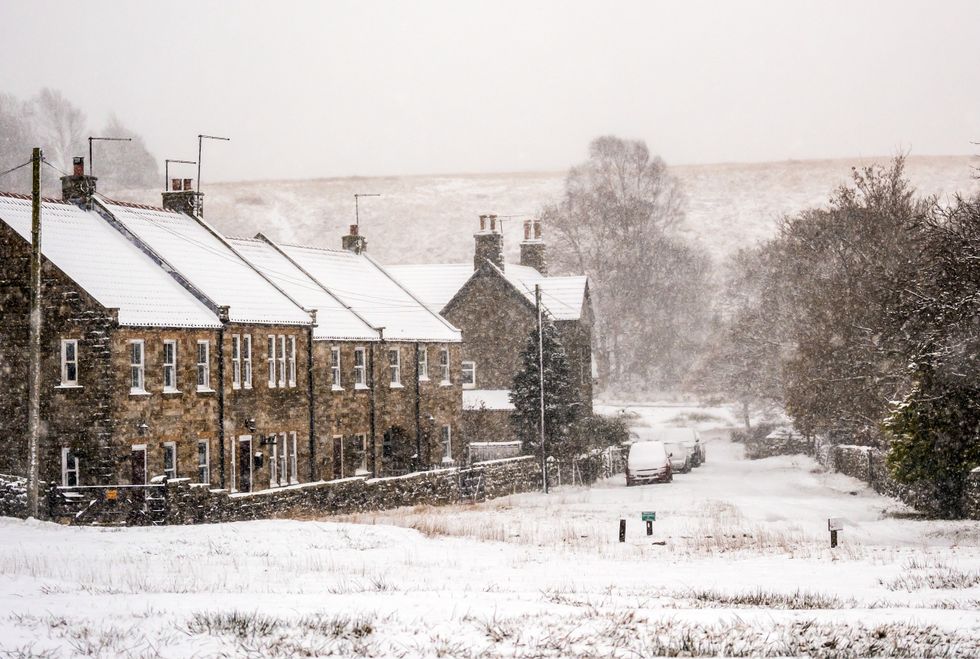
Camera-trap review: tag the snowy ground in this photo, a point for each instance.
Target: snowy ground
(745, 569)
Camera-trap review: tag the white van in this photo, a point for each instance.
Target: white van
(680, 457)
(648, 462)
(689, 437)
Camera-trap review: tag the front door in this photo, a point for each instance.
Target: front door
(138, 465)
(245, 465)
(338, 457)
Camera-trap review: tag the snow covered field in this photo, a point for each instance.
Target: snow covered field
(744, 569)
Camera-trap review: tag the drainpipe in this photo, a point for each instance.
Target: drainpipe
(223, 316)
(375, 472)
(418, 420)
(311, 397)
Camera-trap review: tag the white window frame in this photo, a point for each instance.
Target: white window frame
(447, 443)
(422, 361)
(247, 361)
(204, 368)
(444, 366)
(170, 366)
(171, 446)
(70, 467)
(292, 361)
(472, 369)
(137, 370)
(65, 362)
(395, 367)
(205, 466)
(282, 360)
(335, 377)
(236, 361)
(360, 370)
(363, 468)
(271, 359)
(274, 480)
(293, 459)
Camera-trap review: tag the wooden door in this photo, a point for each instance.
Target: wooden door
(245, 465)
(138, 465)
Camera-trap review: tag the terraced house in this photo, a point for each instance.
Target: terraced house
(171, 350)
(493, 303)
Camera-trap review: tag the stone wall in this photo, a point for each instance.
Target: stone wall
(188, 503)
(971, 499)
(13, 496)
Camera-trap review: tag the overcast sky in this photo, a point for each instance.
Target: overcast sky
(313, 89)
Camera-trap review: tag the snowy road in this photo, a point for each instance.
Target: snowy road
(745, 570)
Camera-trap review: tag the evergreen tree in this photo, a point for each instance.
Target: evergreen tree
(561, 408)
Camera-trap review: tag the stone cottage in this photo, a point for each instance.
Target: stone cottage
(493, 303)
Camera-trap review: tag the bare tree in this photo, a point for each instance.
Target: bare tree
(60, 126)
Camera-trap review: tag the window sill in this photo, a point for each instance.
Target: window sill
(447, 461)
(361, 387)
(396, 385)
(469, 386)
(424, 379)
(68, 386)
(336, 388)
(362, 472)
(445, 383)
(172, 392)
(139, 392)
(205, 390)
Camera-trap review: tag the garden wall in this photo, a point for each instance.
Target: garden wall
(186, 503)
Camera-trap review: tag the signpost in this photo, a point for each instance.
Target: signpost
(622, 530)
(649, 516)
(834, 524)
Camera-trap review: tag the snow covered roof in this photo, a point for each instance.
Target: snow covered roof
(373, 294)
(491, 399)
(437, 284)
(209, 264)
(334, 319)
(107, 266)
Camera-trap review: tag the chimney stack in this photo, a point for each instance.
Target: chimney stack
(532, 247)
(182, 198)
(489, 243)
(354, 241)
(78, 188)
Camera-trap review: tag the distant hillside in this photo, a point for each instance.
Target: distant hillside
(432, 218)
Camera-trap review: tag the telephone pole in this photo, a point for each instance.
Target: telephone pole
(34, 342)
(544, 452)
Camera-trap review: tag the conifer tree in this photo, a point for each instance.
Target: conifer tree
(561, 408)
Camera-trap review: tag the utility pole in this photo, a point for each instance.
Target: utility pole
(544, 452)
(200, 143)
(34, 342)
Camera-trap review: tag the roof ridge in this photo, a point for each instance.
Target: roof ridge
(315, 247)
(133, 204)
(27, 197)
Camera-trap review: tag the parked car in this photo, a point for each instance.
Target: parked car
(680, 457)
(648, 462)
(689, 437)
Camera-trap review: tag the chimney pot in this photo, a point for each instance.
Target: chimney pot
(188, 184)
(175, 185)
(493, 222)
(537, 229)
(353, 229)
(483, 223)
(78, 166)
(527, 229)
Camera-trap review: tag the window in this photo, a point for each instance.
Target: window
(423, 356)
(69, 468)
(236, 361)
(203, 463)
(469, 375)
(444, 365)
(170, 459)
(362, 441)
(247, 361)
(335, 368)
(360, 370)
(447, 444)
(395, 366)
(275, 469)
(272, 360)
(203, 366)
(293, 466)
(292, 361)
(136, 367)
(69, 362)
(170, 366)
(282, 360)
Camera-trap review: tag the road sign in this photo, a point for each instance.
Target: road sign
(835, 524)
(648, 516)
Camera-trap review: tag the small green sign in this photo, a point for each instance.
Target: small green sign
(648, 516)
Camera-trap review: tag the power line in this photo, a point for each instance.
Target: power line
(14, 169)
